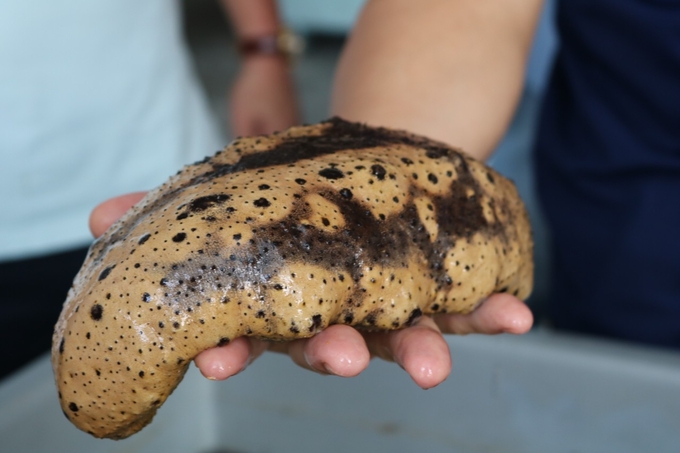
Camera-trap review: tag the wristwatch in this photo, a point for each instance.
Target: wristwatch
(285, 43)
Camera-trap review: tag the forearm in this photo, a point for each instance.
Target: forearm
(253, 18)
(451, 70)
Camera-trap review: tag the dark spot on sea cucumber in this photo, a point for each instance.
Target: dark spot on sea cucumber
(316, 322)
(141, 374)
(223, 341)
(260, 314)
(407, 161)
(143, 239)
(262, 202)
(146, 297)
(237, 237)
(432, 178)
(437, 152)
(332, 173)
(300, 181)
(73, 407)
(263, 186)
(413, 317)
(203, 203)
(349, 317)
(378, 171)
(96, 312)
(325, 221)
(61, 346)
(183, 216)
(179, 237)
(105, 273)
(489, 176)
(346, 193)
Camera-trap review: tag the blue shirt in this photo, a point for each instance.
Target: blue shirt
(608, 169)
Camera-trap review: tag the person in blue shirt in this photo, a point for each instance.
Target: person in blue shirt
(608, 169)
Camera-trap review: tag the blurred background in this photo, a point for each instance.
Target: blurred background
(543, 392)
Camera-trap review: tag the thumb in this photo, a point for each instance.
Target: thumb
(106, 213)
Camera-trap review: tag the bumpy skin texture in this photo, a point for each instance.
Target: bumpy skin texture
(278, 237)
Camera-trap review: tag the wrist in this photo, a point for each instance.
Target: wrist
(266, 62)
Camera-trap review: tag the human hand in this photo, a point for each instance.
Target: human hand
(341, 350)
(263, 97)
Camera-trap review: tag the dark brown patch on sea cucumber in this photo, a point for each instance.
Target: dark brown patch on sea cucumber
(262, 203)
(105, 273)
(202, 203)
(96, 312)
(331, 173)
(378, 171)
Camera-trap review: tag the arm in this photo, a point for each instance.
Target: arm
(452, 70)
(252, 18)
(263, 96)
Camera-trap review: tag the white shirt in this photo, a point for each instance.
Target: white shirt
(97, 98)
